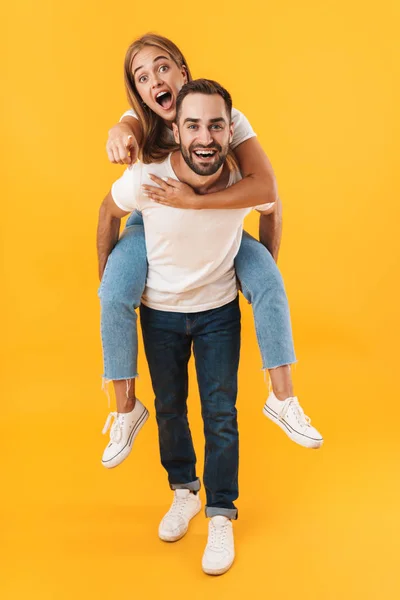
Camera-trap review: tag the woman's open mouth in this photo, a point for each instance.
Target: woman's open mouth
(165, 100)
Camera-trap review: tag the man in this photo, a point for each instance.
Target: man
(190, 298)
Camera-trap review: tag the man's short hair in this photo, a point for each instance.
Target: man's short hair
(203, 86)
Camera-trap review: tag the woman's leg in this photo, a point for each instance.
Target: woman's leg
(120, 292)
(263, 287)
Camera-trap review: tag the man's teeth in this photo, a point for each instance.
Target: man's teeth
(204, 153)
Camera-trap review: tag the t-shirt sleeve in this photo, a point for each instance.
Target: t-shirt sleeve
(242, 129)
(263, 207)
(129, 113)
(125, 191)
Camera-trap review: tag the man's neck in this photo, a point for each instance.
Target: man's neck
(200, 183)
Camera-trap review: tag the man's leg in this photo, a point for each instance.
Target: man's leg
(216, 345)
(216, 342)
(168, 348)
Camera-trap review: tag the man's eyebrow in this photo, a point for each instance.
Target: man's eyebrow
(155, 60)
(215, 120)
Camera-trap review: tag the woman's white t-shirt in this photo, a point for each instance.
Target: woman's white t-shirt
(190, 252)
(242, 130)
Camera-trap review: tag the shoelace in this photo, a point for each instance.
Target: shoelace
(218, 536)
(177, 507)
(116, 429)
(298, 412)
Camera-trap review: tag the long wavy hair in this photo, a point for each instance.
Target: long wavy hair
(155, 144)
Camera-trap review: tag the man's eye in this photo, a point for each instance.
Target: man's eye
(216, 127)
(192, 127)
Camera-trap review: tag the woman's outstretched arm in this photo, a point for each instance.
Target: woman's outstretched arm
(124, 141)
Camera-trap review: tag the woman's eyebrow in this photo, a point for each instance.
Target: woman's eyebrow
(155, 60)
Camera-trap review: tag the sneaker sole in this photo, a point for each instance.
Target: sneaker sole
(179, 537)
(124, 453)
(300, 439)
(218, 571)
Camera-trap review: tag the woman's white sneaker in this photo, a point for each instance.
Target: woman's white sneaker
(220, 550)
(175, 523)
(123, 432)
(290, 417)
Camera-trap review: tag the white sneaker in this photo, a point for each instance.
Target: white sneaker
(290, 417)
(125, 428)
(220, 550)
(175, 523)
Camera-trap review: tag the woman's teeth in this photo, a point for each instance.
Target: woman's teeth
(163, 98)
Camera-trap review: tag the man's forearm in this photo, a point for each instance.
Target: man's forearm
(270, 231)
(107, 237)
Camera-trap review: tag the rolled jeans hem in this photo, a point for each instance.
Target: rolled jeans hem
(215, 511)
(194, 486)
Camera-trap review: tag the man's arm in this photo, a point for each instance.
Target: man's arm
(107, 230)
(270, 229)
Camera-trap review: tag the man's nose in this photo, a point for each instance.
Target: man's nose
(205, 137)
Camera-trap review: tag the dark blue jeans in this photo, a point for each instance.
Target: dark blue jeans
(215, 335)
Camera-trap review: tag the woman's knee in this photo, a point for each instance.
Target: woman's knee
(125, 274)
(257, 272)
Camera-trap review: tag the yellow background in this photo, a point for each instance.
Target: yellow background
(319, 83)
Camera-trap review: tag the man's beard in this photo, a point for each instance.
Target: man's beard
(206, 168)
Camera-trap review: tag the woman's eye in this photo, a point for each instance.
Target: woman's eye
(142, 79)
(163, 68)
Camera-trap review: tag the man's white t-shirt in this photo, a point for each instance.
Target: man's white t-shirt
(190, 252)
(242, 130)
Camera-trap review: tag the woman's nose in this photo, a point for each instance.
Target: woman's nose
(156, 81)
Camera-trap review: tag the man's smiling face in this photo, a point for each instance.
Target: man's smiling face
(203, 131)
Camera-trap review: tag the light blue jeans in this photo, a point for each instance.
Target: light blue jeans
(124, 280)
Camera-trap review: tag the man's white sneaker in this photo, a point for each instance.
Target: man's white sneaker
(290, 417)
(175, 523)
(220, 550)
(124, 429)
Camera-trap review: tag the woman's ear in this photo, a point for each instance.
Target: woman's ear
(184, 74)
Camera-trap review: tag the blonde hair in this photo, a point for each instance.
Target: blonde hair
(155, 144)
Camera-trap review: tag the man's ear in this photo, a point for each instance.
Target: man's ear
(231, 129)
(176, 133)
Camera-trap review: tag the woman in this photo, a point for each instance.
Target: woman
(155, 71)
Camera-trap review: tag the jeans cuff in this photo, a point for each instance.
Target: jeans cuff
(194, 486)
(215, 511)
